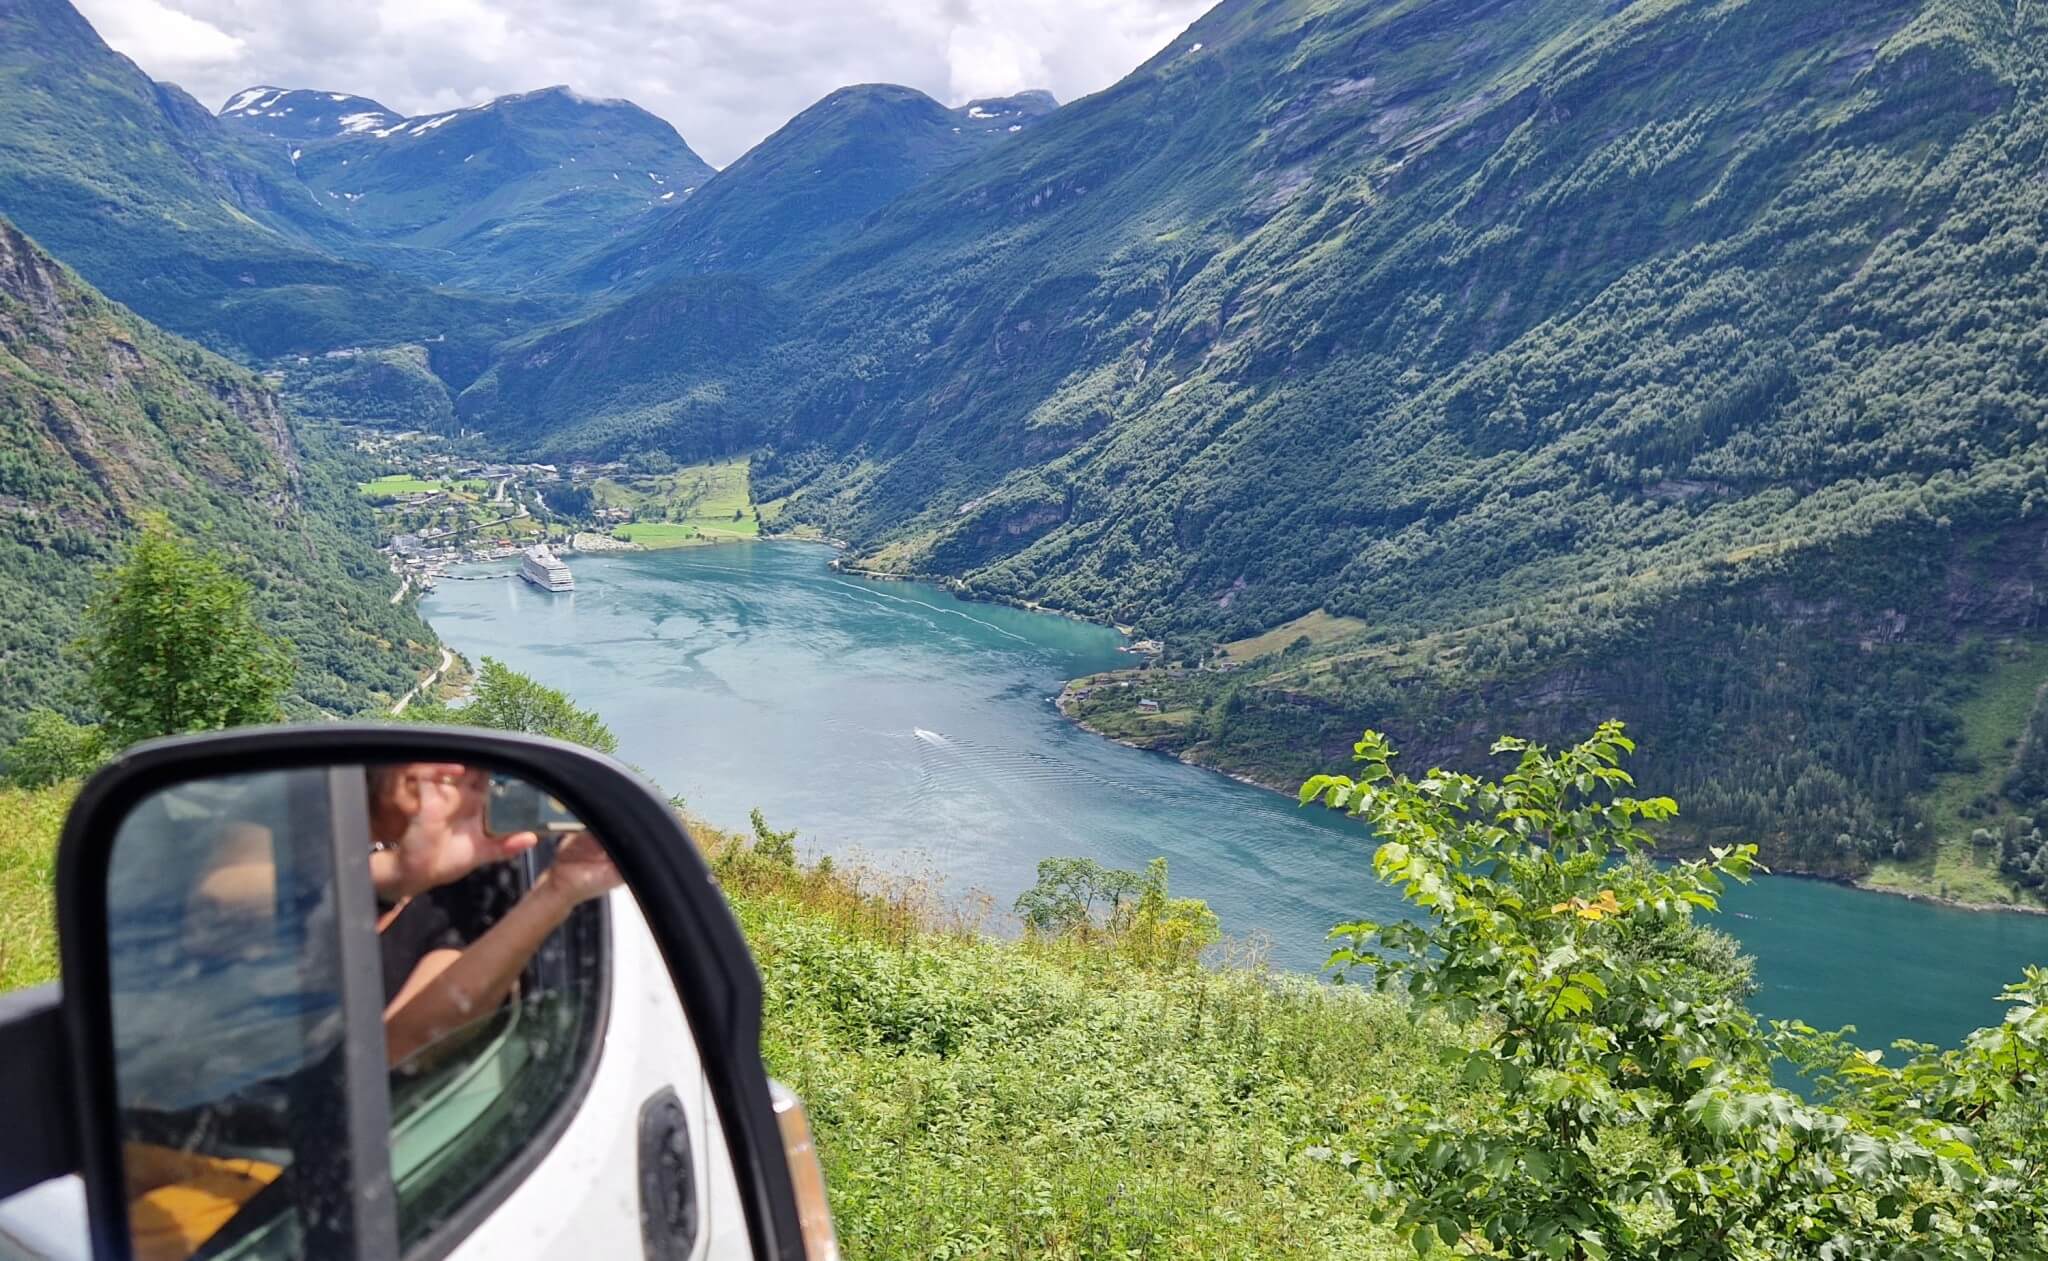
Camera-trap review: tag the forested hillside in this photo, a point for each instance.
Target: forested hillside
(105, 420)
(1679, 360)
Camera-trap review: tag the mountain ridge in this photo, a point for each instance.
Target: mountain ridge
(138, 186)
(811, 184)
(488, 196)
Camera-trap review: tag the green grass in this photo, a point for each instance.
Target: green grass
(29, 819)
(1001, 1099)
(396, 484)
(657, 534)
(695, 505)
(1996, 714)
(1318, 627)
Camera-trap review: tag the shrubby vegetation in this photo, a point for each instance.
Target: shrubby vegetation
(52, 749)
(1065, 1096)
(1080, 899)
(505, 700)
(1633, 1113)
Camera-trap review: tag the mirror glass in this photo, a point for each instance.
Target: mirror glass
(350, 1002)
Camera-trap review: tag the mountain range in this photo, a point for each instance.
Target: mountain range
(770, 211)
(488, 198)
(1447, 366)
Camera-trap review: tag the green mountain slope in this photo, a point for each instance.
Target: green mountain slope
(811, 185)
(491, 197)
(1678, 360)
(103, 419)
(684, 366)
(135, 184)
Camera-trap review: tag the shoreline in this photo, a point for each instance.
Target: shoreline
(954, 586)
(957, 588)
(1859, 884)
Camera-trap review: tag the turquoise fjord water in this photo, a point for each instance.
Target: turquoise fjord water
(896, 720)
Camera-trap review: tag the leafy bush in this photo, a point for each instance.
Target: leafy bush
(1632, 1112)
(506, 700)
(776, 847)
(51, 749)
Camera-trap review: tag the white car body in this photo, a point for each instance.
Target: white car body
(582, 1198)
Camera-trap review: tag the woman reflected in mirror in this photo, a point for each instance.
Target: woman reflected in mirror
(454, 938)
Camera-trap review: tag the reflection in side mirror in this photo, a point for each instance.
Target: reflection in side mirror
(350, 990)
(344, 1000)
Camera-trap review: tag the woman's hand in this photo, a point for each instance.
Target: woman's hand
(431, 815)
(581, 871)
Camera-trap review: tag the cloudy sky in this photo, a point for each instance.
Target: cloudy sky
(725, 72)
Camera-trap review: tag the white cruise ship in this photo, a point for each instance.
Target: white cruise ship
(545, 570)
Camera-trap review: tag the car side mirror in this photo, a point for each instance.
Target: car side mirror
(386, 991)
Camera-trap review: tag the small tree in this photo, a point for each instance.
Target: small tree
(52, 748)
(1064, 901)
(173, 644)
(776, 847)
(1168, 930)
(506, 700)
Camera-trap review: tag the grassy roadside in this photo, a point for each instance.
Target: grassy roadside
(29, 819)
(1009, 1099)
(985, 1098)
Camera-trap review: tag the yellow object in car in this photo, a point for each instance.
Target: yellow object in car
(178, 1200)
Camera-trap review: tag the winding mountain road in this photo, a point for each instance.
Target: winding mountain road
(433, 677)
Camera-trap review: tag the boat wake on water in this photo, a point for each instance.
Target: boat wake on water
(897, 599)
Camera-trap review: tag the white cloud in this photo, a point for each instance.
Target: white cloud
(725, 72)
(175, 40)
